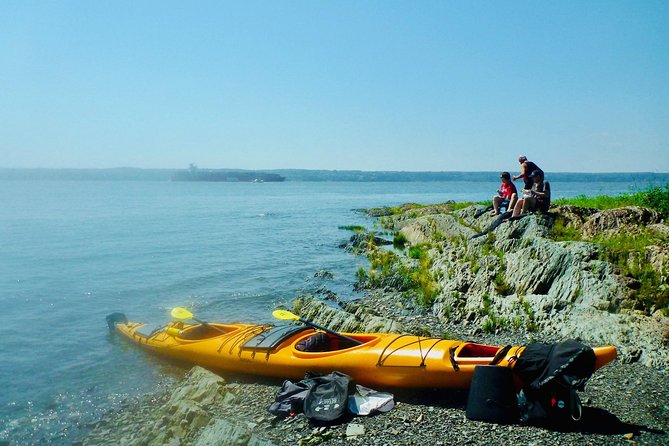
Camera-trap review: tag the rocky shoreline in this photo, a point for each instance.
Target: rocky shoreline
(511, 287)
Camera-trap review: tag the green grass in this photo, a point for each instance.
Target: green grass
(464, 204)
(489, 249)
(628, 252)
(529, 312)
(491, 321)
(416, 281)
(562, 232)
(501, 285)
(416, 252)
(653, 197)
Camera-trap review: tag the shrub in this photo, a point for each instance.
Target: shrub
(501, 286)
(399, 240)
(657, 198)
(416, 253)
(361, 274)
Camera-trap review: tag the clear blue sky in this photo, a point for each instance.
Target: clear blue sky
(371, 85)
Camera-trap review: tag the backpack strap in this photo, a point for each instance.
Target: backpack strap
(451, 356)
(500, 355)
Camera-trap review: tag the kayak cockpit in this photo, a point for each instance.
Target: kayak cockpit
(321, 342)
(472, 353)
(198, 332)
(270, 338)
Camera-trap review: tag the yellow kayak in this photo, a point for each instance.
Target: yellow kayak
(287, 351)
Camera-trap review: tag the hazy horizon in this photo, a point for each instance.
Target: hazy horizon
(326, 170)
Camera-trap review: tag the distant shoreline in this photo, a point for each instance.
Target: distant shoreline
(138, 174)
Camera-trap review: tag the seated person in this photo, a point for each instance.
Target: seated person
(506, 195)
(536, 198)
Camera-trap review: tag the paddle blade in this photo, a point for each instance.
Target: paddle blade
(181, 313)
(285, 315)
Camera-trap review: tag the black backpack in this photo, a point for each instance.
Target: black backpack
(552, 373)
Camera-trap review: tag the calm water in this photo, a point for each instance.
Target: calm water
(75, 251)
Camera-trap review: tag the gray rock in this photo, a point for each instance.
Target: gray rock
(223, 432)
(615, 219)
(359, 320)
(355, 430)
(528, 280)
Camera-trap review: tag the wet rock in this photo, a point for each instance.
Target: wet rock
(361, 242)
(324, 274)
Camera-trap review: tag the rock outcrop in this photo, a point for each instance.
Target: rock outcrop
(518, 278)
(192, 414)
(356, 319)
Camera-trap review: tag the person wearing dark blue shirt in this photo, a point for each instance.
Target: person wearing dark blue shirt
(526, 167)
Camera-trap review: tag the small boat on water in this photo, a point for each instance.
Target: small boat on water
(290, 351)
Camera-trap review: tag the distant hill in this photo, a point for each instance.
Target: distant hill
(221, 175)
(136, 174)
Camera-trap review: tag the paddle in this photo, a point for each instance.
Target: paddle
(181, 313)
(286, 315)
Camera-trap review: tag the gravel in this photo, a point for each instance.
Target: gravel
(624, 404)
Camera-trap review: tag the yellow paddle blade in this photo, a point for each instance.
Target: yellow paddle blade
(285, 315)
(181, 313)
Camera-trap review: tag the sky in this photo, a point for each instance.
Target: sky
(577, 86)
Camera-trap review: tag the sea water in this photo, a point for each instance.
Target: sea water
(72, 252)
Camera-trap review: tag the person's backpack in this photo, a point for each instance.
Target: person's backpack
(552, 373)
(327, 399)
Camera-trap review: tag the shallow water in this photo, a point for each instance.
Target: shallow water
(75, 251)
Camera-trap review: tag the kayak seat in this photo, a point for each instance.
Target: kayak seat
(322, 342)
(317, 342)
(270, 339)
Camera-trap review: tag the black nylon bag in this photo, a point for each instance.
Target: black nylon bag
(327, 399)
(551, 374)
(290, 398)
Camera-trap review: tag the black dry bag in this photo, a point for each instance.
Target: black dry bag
(328, 397)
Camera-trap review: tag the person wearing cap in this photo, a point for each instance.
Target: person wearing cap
(506, 194)
(538, 197)
(526, 167)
